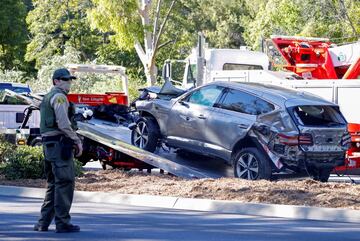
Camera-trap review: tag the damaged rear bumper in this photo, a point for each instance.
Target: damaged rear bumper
(318, 160)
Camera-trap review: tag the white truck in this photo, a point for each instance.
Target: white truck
(12, 114)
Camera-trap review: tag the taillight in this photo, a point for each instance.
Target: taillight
(288, 140)
(305, 139)
(302, 139)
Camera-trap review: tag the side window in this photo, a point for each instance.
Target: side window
(242, 102)
(230, 66)
(206, 96)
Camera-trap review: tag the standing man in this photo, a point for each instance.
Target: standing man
(59, 139)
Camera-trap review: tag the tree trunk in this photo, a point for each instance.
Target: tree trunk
(151, 39)
(151, 73)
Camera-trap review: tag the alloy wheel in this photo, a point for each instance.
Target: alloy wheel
(141, 135)
(247, 167)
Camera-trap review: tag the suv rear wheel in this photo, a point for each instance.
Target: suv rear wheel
(252, 164)
(146, 134)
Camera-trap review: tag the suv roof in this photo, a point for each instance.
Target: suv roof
(277, 94)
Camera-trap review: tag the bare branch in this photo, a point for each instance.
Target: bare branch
(156, 22)
(164, 44)
(347, 17)
(163, 26)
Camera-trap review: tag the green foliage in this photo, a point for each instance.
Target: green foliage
(25, 163)
(336, 19)
(43, 82)
(78, 168)
(118, 17)
(221, 21)
(5, 149)
(55, 24)
(13, 33)
(16, 76)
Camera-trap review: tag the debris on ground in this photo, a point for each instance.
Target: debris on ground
(292, 192)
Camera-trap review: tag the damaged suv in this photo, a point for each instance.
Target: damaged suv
(258, 129)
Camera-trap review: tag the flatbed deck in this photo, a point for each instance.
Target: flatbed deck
(118, 137)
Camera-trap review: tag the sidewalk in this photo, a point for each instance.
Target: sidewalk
(228, 207)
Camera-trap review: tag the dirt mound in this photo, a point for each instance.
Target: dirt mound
(293, 192)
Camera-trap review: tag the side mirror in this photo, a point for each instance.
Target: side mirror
(166, 71)
(181, 102)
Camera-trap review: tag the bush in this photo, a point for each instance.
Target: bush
(27, 162)
(6, 149)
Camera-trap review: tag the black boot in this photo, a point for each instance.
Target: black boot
(68, 228)
(40, 228)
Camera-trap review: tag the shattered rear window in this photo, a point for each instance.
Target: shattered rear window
(318, 116)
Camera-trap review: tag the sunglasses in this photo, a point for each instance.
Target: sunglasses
(65, 79)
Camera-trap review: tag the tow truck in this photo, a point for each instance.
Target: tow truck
(317, 60)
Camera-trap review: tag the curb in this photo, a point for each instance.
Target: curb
(206, 205)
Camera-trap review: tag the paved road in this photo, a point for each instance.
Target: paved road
(108, 222)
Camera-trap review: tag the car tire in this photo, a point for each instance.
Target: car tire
(252, 164)
(322, 175)
(36, 142)
(146, 134)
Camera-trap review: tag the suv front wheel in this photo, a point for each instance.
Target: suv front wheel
(146, 134)
(251, 164)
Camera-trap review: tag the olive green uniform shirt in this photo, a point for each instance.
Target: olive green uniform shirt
(60, 104)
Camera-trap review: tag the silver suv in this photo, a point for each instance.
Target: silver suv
(259, 129)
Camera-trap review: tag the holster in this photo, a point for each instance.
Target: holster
(66, 147)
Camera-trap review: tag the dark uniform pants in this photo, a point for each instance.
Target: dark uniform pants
(60, 177)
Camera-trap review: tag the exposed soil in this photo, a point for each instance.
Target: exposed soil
(293, 192)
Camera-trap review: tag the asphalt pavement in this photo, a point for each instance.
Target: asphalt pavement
(118, 222)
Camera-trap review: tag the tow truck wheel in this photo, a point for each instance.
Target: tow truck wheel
(146, 134)
(105, 166)
(251, 164)
(36, 142)
(322, 175)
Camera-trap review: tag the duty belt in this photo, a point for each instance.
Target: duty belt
(52, 138)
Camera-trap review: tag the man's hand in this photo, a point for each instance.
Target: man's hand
(78, 150)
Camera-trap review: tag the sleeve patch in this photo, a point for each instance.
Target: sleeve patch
(60, 100)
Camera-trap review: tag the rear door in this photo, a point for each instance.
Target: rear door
(234, 115)
(325, 124)
(188, 118)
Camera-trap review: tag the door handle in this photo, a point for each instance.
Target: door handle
(201, 116)
(243, 126)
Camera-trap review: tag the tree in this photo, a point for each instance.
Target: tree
(55, 24)
(13, 33)
(135, 23)
(334, 19)
(221, 21)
